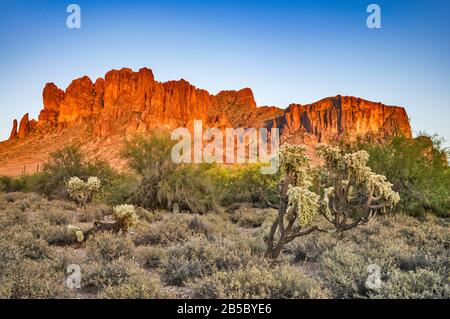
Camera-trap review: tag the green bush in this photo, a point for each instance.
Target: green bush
(191, 188)
(150, 158)
(245, 183)
(419, 170)
(163, 183)
(260, 281)
(119, 189)
(69, 162)
(22, 183)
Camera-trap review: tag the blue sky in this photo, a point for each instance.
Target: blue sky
(286, 51)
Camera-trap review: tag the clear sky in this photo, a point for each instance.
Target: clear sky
(286, 51)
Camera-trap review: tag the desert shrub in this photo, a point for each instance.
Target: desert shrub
(419, 170)
(191, 188)
(57, 217)
(55, 235)
(69, 162)
(199, 258)
(150, 158)
(107, 246)
(245, 183)
(150, 256)
(20, 243)
(118, 190)
(311, 247)
(93, 212)
(162, 183)
(171, 229)
(248, 217)
(31, 280)
(419, 284)
(102, 274)
(7, 184)
(260, 281)
(22, 183)
(135, 288)
(344, 272)
(176, 228)
(11, 217)
(31, 247)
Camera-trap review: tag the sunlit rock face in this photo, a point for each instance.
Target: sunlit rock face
(343, 117)
(126, 102)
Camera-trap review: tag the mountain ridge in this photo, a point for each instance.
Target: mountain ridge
(124, 103)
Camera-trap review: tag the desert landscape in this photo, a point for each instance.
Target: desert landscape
(224, 158)
(91, 183)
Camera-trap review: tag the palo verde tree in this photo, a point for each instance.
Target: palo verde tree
(344, 191)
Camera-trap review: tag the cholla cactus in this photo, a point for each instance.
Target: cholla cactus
(126, 216)
(344, 191)
(294, 163)
(93, 184)
(303, 204)
(82, 192)
(77, 232)
(351, 189)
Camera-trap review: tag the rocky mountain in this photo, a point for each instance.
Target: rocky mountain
(101, 113)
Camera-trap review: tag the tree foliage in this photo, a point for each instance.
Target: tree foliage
(66, 163)
(163, 183)
(419, 170)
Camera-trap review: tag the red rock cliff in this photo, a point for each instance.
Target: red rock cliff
(343, 117)
(126, 102)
